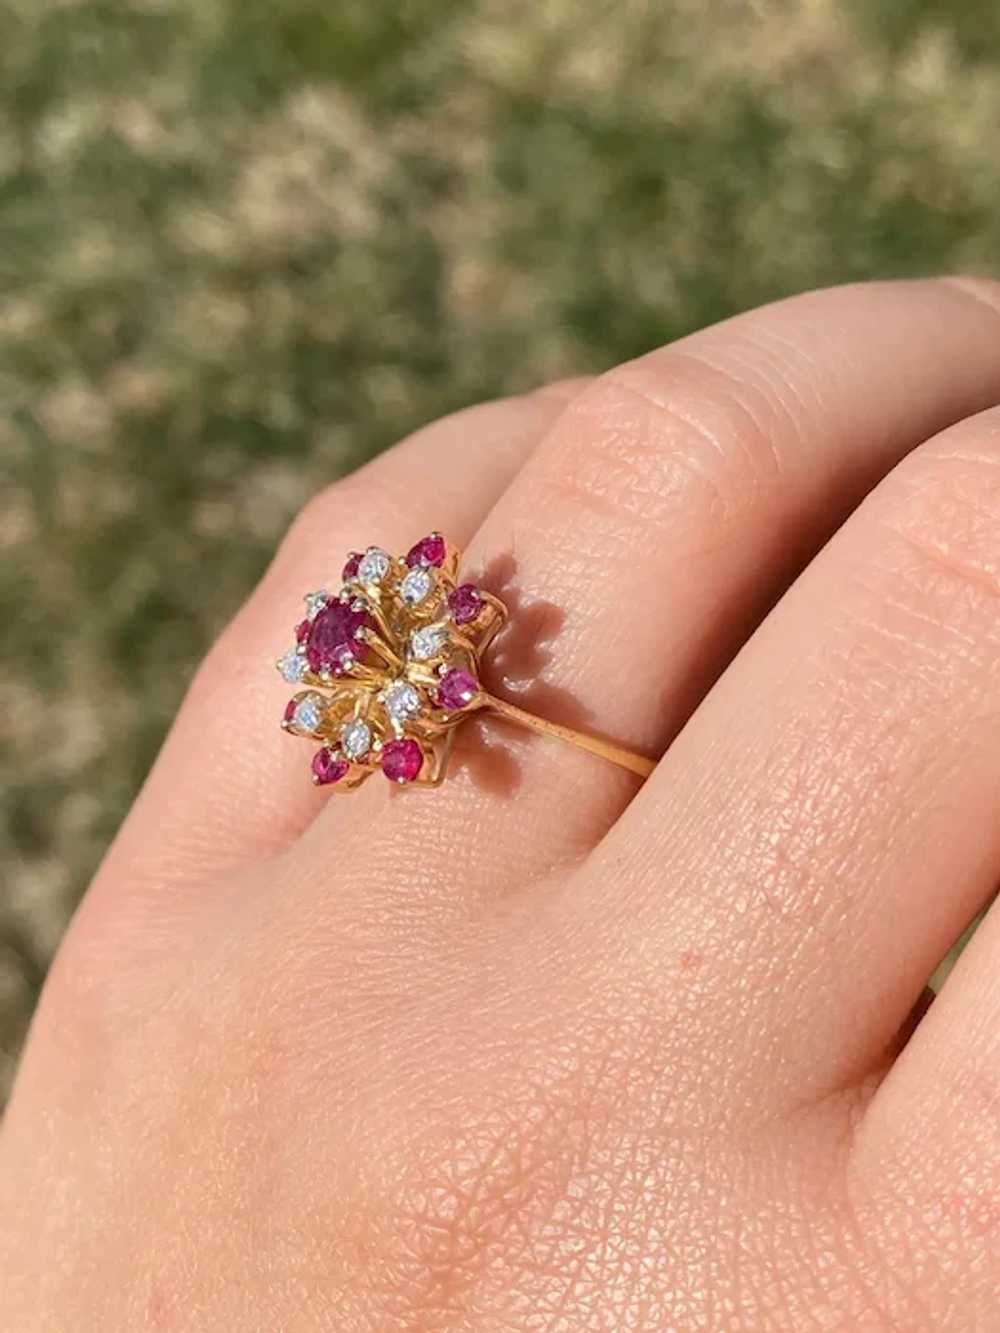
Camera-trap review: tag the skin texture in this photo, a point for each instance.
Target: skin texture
(544, 1051)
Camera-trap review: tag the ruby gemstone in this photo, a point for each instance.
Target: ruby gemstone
(290, 708)
(402, 760)
(457, 688)
(302, 630)
(327, 767)
(429, 551)
(351, 568)
(332, 636)
(465, 603)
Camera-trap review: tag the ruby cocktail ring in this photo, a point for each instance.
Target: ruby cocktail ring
(391, 667)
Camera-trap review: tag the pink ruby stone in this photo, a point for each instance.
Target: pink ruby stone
(332, 635)
(328, 767)
(351, 568)
(302, 630)
(402, 760)
(290, 708)
(429, 551)
(457, 688)
(465, 603)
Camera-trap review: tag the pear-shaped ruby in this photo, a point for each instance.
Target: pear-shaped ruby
(328, 766)
(333, 636)
(428, 551)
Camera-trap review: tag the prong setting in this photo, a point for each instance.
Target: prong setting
(396, 665)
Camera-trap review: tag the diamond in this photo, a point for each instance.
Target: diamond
(356, 740)
(307, 715)
(457, 689)
(292, 666)
(374, 565)
(427, 642)
(417, 586)
(327, 767)
(315, 601)
(401, 701)
(428, 551)
(402, 760)
(465, 603)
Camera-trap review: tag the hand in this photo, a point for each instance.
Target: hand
(541, 1050)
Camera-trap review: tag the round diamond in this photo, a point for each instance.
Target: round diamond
(374, 565)
(417, 586)
(292, 666)
(427, 642)
(308, 714)
(315, 601)
(401, 701)
(356, 740)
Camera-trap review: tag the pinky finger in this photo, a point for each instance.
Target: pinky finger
(927, 1158)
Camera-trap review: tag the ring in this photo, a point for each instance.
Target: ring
(392, 665)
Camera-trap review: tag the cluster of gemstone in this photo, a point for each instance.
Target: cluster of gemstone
(390, 664)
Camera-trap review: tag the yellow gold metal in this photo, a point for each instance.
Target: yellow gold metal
(635, 763)
(393, 671)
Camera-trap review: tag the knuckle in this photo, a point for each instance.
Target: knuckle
(669, 439)
(942, 514)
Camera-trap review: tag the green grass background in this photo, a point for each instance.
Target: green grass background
(244, 244)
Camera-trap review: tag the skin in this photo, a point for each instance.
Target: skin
(543, 1050)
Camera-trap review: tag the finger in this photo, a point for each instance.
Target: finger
(652, 528)
(227, 787)
(928, 1148)
(830, 811)
(678, 495)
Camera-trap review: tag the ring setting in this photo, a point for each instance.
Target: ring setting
(391, 666)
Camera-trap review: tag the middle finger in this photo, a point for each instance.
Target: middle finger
(663, 514)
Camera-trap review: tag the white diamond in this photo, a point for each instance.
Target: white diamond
(356, 740)
(416, 586)
(401, 701)
(293, 666)
(375, 564)
(315, 601)
(309, 712)
(427, 642)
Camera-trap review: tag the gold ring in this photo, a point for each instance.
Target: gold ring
(392, 666)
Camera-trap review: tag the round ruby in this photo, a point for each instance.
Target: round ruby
(402, 760)
(327, 767)
(333, 635)
(428, 551)
(352, 566)
(302, 630)
(457, 688)
(465, 603)
(290, 708)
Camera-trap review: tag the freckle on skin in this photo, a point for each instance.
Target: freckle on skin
(159, 1312)
(690, 959)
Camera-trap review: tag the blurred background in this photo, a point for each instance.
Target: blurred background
(244, 244)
